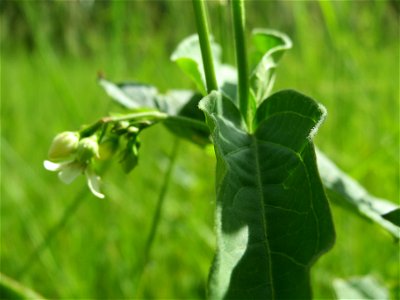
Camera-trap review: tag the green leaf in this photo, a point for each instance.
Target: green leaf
(345, 191)
(273, 219)
(11, 289)
(393, 216)
(184, 103)
(131, 95)
(188, 57)
(360, 288)
(269, 48)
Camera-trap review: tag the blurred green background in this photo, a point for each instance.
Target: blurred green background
(345, 55)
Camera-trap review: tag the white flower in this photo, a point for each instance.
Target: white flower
(78, 162)
(69, 170)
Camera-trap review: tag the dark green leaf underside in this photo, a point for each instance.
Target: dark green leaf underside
(393, 216)
(182, 103)
(273, 219)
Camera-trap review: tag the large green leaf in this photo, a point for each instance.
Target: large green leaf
(346, 192)
(269, 48)
(272, 218)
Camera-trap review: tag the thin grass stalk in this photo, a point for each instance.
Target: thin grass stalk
(157, 213)
(52, 233)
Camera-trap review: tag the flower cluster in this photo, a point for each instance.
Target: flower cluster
(75, 153)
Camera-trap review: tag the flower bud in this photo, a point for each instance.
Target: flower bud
(87, 149)
(64, 145)
(108, 147)
(121, 126)
(133, 130)
(130, 157)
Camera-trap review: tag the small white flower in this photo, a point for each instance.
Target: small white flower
(69, 170)
(77, 160)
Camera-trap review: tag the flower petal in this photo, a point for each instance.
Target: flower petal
(93, 182)
(51, 166)
(69, 172)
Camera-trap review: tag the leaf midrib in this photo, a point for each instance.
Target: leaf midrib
(262, 211)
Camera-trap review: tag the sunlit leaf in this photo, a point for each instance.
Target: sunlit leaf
(345, 191)
(188, 57)
(131, 95)
(273, 220)
(360, 288)
(269, 48)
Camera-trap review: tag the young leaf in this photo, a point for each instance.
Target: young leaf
(360, 288)
(273, 219)
(347, 192)
(270, 46)
(188, 57)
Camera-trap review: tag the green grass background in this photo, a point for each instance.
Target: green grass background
(345, 55)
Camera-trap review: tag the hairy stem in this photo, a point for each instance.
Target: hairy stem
(241, 58)
(205, 45)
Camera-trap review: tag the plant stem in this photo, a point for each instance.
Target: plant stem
(151, 115)
(205, 45)
(241, 58)
(185, 121)
(148, 116)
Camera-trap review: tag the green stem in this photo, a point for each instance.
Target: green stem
(205, 45)
(185, 121)
(148, 116)
(151, 115)
(241, 58)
